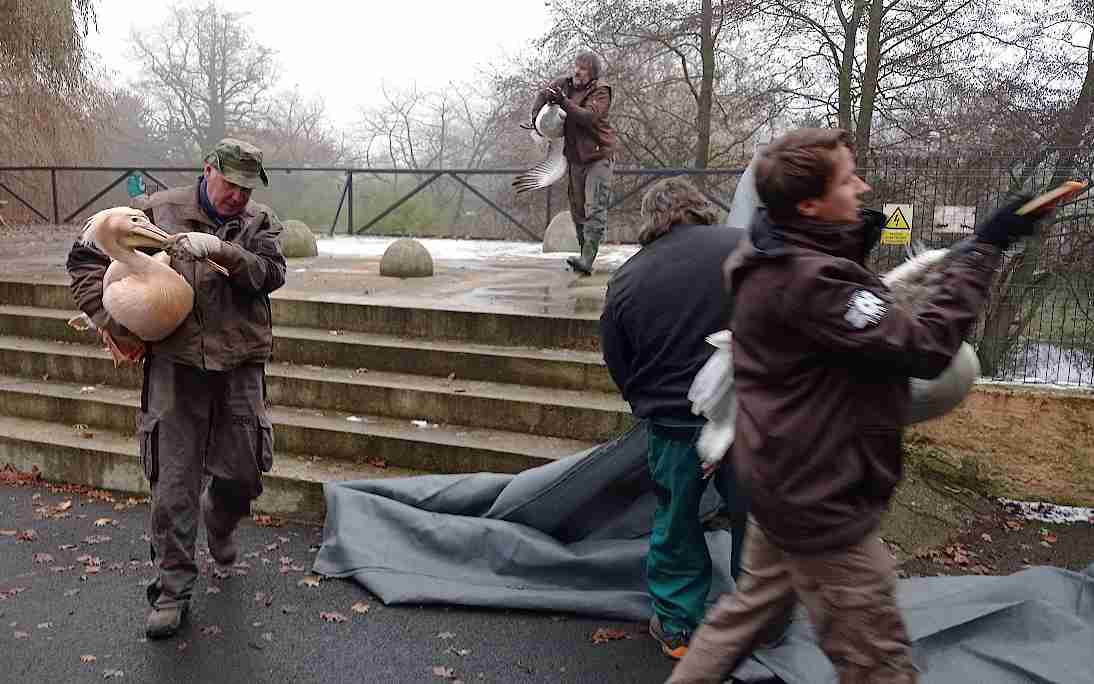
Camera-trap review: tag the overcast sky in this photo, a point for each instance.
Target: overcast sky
(345, 49)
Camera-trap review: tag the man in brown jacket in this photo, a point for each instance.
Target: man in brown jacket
(822, 355)
(589, 149)
(203, 400)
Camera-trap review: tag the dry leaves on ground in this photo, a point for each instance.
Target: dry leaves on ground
(309, 581)
(606, 634)
(267, 521)
(333, 617)
(86, 659)
(360, 607)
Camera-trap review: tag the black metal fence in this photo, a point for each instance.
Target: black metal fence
(940, 198)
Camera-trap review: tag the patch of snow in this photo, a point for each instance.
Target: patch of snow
(1047, 512)
(463, 250)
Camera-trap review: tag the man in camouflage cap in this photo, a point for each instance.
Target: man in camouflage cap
(203, 400)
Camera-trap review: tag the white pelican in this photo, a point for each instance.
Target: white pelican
(141, 292)
(549, 125)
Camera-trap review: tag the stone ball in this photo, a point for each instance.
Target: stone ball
(561, 236)
(297, 240)
(406, 258)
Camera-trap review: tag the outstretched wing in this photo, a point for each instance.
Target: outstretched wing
(547, 172)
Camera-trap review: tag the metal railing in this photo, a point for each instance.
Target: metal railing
(646, 177)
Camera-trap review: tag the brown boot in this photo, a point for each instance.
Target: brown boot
(165, 622)
(222, 544)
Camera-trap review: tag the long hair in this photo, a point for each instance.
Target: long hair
(797, 167)
(670, 202)
(590, 60)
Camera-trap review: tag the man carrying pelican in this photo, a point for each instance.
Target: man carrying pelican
(203, 409)
(589, 150)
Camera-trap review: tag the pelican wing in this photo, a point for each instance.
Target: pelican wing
(547, 172)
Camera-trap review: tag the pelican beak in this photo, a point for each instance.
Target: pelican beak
(144, 234)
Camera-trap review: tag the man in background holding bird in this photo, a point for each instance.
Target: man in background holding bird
(203, 404)
(589, 149)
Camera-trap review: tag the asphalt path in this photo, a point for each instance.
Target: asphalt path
(72, 609)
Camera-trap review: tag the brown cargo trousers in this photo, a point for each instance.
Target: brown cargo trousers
(589, 190)
(849, 595)
(192, 423)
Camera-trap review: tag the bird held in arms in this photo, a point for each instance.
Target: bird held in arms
(549, 125)
(141, 292)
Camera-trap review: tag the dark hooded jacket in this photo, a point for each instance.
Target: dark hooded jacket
(822, 356)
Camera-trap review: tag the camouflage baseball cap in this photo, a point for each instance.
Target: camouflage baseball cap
(240, 162)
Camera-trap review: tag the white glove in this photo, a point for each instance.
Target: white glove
(712, 395)
(199, 245)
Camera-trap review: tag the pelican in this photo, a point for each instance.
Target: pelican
(910, 282)
(141, 292)
(549, 126)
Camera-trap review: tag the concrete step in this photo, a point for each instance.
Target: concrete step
(360, 314)
(594, 416)
(557, 368)
(336, 435)
(107, 459)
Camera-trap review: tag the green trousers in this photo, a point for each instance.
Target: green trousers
(678, 566)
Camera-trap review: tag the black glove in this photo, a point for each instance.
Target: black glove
(1005, 226)
(873, 222)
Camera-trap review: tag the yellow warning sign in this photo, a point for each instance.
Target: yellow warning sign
(896, 236)
(898, 221)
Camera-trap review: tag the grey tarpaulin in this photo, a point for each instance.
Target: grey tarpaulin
(1036, 625)
(568, 536)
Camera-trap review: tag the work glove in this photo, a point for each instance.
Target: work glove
(198, 245)
(1005, 226)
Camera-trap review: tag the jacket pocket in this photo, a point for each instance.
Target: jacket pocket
(264, 457)
(148, 441)
(882, 460)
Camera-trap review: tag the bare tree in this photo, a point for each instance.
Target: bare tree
(208, 75)
(297, 130)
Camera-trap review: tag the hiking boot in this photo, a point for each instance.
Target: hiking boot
(222, 546)
(164, 622)
(674, 646)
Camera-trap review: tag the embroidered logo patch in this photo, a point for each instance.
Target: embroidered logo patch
(865, 308)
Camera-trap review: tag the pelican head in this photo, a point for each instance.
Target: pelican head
(121, 229)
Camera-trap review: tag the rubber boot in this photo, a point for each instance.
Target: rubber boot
(584, 263)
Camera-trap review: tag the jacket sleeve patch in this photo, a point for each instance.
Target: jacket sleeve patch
(865, 308)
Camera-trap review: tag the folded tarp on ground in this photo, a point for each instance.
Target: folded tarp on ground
(572, 536)
(568, 536)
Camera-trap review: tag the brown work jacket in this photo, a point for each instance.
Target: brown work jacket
(230, 324)
(822, 356)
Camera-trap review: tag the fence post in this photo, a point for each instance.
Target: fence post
(349, 198)
(53, 187)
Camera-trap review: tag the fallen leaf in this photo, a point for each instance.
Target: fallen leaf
(88, 659)
(360, 607)
(986, 537)
(266, 521)
(333, 617)
(606, 634)
(446, 635)
(103, 522)
(64, 506)
(309, 581)
(27, 536)
(444, 672)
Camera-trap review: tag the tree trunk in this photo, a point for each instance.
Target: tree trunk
(869, 77)
(847, 63)
(706, 91)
